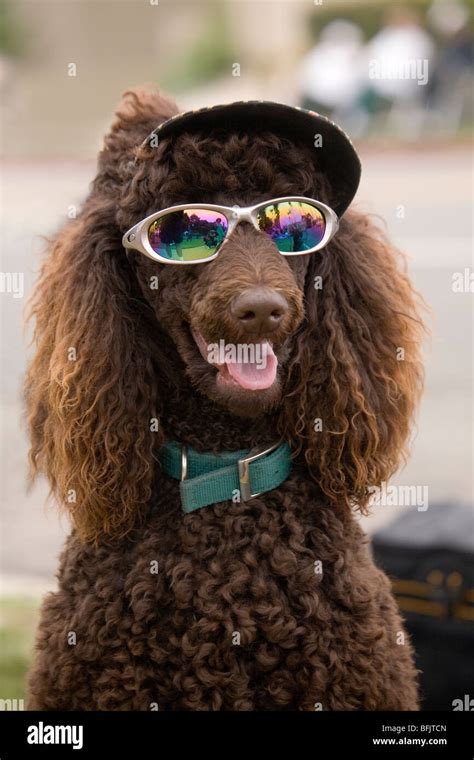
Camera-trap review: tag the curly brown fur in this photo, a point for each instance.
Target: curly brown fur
(250, 568)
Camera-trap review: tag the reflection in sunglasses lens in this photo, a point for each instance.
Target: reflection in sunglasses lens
(294, 226)
(189, 235)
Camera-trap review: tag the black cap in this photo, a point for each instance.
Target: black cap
(334, 153)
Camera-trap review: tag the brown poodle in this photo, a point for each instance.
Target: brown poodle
(273, 603)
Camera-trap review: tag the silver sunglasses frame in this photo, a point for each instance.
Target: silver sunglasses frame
(137, 236)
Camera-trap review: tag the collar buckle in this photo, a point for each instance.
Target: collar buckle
(244, 470)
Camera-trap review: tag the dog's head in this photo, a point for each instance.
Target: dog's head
(335, 332)
(232, 319)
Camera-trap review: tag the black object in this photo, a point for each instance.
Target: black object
(334, 153)
(430, 560)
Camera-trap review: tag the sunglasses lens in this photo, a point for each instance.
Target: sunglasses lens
(189, 235)
(294, 226)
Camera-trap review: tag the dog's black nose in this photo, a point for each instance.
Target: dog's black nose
(259, 310)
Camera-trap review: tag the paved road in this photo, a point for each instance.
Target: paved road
(435, 189)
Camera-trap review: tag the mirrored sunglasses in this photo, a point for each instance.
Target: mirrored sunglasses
(195, 232)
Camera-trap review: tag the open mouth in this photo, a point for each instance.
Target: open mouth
(250, 366)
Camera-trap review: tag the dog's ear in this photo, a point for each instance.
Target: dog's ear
(355, 377)
(139, 112)
(92, 389)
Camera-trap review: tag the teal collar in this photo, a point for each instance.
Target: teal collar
(237, 475)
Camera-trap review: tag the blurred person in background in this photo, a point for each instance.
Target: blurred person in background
(451, 85)
(399, 59)
(331, 78)
(372, 86)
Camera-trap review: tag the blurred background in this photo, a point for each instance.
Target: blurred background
(399, 79)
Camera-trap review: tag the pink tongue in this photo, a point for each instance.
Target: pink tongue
(256, 375)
